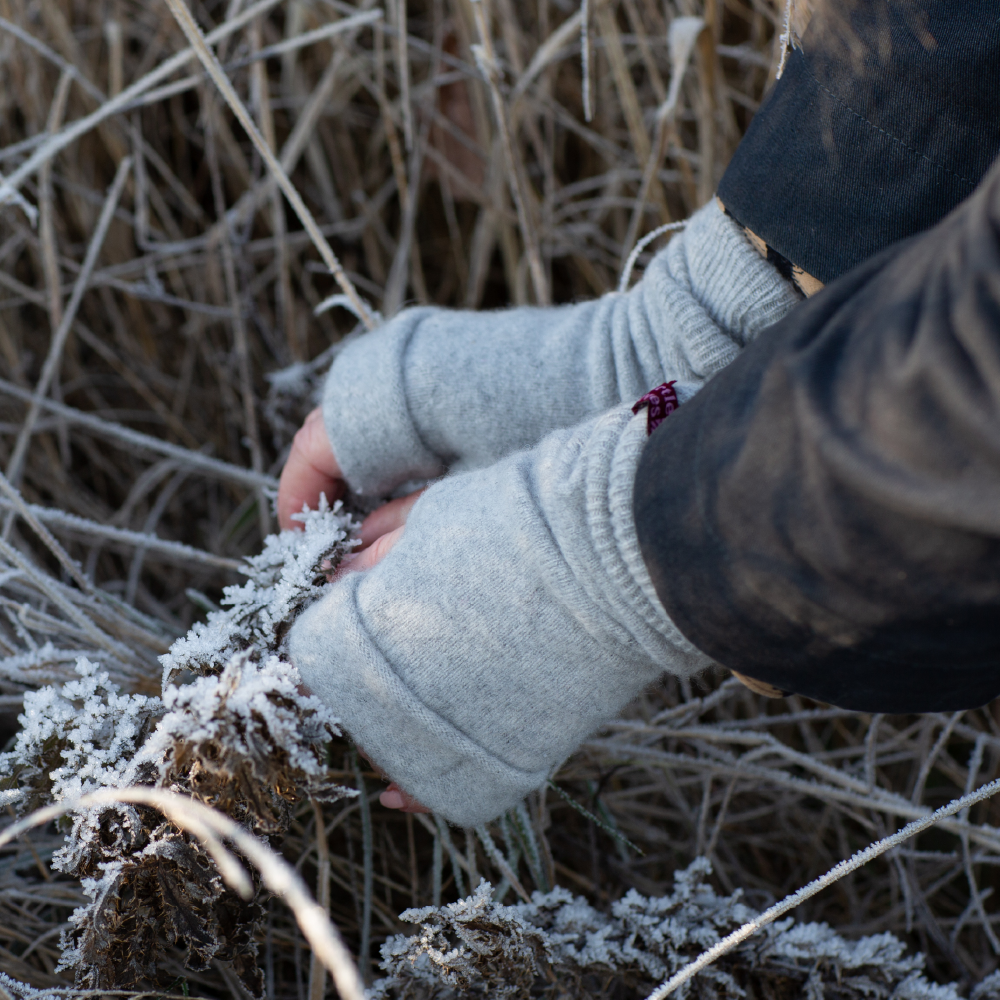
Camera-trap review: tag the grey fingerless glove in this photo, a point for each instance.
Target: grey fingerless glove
(513, 617)
(435, 389)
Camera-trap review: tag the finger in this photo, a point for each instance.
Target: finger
(311, 469)
(387, 518)
(371, 556)
(395, 798)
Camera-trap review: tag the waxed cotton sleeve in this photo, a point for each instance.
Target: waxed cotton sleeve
(884, 121)
(825, 515)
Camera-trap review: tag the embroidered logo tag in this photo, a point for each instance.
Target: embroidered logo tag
(660, 403)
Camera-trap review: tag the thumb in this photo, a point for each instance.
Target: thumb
(374, 554)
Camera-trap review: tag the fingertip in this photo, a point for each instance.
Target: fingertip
(285, 515)
(392, 798)
(310, 469)
(387, 518)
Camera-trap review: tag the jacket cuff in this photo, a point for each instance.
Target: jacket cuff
(741, 291)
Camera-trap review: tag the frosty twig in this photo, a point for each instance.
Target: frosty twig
(818, 885)
(59, 335)
(215, 71)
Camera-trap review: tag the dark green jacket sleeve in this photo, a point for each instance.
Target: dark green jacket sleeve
(825, 514)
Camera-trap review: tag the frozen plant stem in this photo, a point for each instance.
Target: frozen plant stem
(368, 859)
(403, 72)
(238, 322)
(176, 552)
(596, 820)
(486, 61)
(317, 972)
(144, 442)
(493, 853)
(48, 149)
(285, 302)
(52, 589)
(16, 463)
(307, 38)
(46, 223)
(198, 43)
(43, 533)
(437, 869)
(975, 762)
(53, 57)
(836, 873)
(457, 861)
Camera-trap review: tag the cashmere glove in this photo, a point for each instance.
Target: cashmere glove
(437, 389)
(513, 617)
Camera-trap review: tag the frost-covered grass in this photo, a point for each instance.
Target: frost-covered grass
(240, 735)
(169, 387)
(559, 943)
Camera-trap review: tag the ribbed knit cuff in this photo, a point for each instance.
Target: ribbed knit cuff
(629, 593)
(738, 288)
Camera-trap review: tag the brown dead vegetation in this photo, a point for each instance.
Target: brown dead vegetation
(159, 344)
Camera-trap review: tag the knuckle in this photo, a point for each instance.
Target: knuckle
(301, 439)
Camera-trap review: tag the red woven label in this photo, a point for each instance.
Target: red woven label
(659, 403)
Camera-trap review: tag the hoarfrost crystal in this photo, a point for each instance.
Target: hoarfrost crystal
(478, 948)
(239, 735)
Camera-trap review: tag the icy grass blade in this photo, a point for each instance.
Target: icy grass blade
(52, 362)
(144, 442)
(176, 552)
(817, 885)
(111, 107)
(493, 853)
(207, 58)
(609, 830)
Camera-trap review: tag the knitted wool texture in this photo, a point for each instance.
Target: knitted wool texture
(511, 619)
(435, 389)
(515, 615)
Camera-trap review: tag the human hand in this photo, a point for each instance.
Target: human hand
(311, 469)
(380, 531)
(387, 518)
(506, 624)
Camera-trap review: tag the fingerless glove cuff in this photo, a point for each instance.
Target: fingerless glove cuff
(514, 616)
(369, 424)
